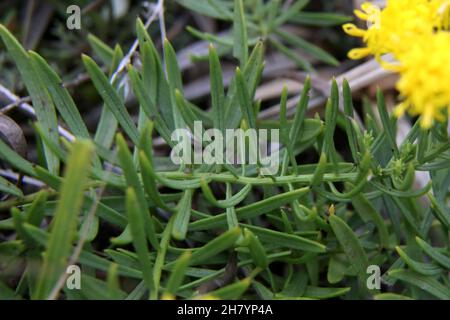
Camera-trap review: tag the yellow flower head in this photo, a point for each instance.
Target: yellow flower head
(416, 33)
(425, 79)
(393, 29)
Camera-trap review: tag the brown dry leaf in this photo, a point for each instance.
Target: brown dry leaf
(12, 134)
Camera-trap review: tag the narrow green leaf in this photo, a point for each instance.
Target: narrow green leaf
(182, 216)
(177, 275)
(320, 19)
(148, 105)
(240, 37)
(145, 157)
(391, 296)
(15, 160)
(230, 212)
(132, 178)
(350, 244)
(230, 201)
(348, 111)
(215, 246)
(291, 11)
(387, 122)
(252, 74)
(308, 47)
(426, 283)
(291, 54)
(368, 213)
(250, 211)
(111, 98)
(137, 228)
(65, 217)
(217, 91)
(108, 124)
(256, 249)
(440, 211)
(63, 101)
(324, 293)
(34, 214)
(287, 240)
(8, 187)
(101, 49)
(214, 9)
(42, 103)
(434, 253)
(245, 101)
(160, 258)
(300, 112)
(232, 291)
(173, 70)
(419, 267)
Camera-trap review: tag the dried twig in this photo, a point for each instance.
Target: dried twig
(126, 60)
(29, 110)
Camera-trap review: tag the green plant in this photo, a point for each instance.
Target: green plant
(309, 232)
(258, 20)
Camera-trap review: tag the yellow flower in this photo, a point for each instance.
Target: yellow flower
(416, 33)
(425, 79)
(395, 28)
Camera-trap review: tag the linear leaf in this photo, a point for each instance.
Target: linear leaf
(137, 228)
(182, 216)
(107, 126)
(217, 90)
(308, 47)
(250, 211)
(132, 178)
(427, 283)
(111, 98)
(419, 267)
(42, 103)
(240, 37)
(215, 246)
(61, 97)
(433, 253)
(65, 217)
(8, 187)
(177, 274)
(287, 240)
(350, 244)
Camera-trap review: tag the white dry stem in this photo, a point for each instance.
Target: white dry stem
(126, 60)
(25, 179)
(28, 109)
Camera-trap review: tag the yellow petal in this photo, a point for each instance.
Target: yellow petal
(361, 15)
(370, 8)
(358, 53)
(426, 121)
(352, 30)
(400, 109)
